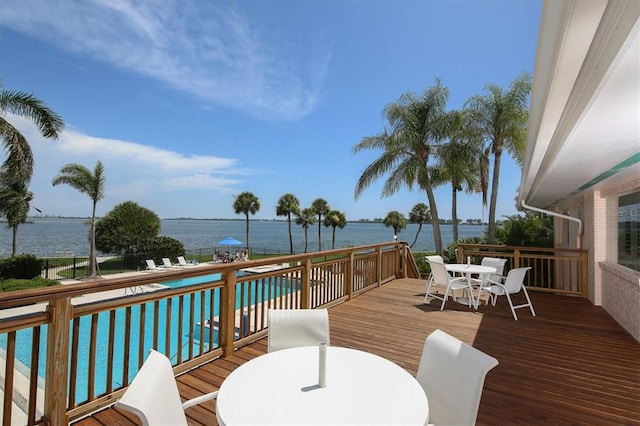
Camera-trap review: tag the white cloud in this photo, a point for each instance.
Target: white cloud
(133, 171)
(207, 49)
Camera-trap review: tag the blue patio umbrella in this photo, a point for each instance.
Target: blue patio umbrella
(229, 242)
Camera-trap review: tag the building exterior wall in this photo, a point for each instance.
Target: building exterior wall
(614, 287)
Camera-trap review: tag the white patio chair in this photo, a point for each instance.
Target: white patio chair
(183, 262)
(151, 266)
(153, 395)
(452, 375)
(512, 285)
(485, 280)
(290, 328)
(440, 277)
(166, 263)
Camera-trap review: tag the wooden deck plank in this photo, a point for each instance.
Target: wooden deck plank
(571, 364)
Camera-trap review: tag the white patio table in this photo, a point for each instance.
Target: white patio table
(282, 387)
(468, 270)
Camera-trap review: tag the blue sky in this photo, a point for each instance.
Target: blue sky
(188, 103)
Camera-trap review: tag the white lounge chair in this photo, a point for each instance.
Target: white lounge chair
(153, 395)
(151, 266)
(183, 262)
(166, 263)
(452, 375)
(290, 328)
(513, 284)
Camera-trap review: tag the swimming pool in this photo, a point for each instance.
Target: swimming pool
(178, 341)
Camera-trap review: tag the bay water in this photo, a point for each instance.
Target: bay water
(47, 237)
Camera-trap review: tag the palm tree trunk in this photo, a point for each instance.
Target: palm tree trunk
(319, 232)
(305, 238)
(247, 235)
(91, 266)
(454, 213)
(435, 221)
(14, 245)
(290, 237)
(333, 239)
(491, 233)
(416, 238)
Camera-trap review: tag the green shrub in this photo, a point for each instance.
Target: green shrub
(24, 266)
(23, 284)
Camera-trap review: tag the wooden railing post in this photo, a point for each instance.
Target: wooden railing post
(349, 275)
(305, 291)
(584, 276)
(516, 258)
(228, 313)
(379, 266)
(57, 371)
(403, 257)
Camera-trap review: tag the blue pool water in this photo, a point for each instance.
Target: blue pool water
(178, 342)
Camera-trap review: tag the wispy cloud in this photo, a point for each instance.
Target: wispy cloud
(132, 168)
(204, 48)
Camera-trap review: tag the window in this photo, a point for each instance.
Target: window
(629, 231)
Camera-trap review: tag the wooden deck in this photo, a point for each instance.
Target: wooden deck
(571, 364)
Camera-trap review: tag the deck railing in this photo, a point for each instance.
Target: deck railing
(69, 350)
(556, 270)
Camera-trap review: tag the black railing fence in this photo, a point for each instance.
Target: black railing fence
(70, 266)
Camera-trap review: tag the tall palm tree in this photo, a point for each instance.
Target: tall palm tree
(306, 218)
(335, 219)
(321, 208)
(15, 200)
(501, 117)
(19, 163)
(288, 204)
(419, 214)
(395, 220)
(92, 184)
(418, 124)
(459, 163)
(246, 203)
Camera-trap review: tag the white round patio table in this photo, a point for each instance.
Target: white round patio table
(281, 388)
(468, 270)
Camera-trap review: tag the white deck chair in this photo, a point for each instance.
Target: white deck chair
(290, 328)
(153, 395)
(440, 277)
(485, 280)
(512, 285)
(452, 375)
(151, 266)
(166, 263)
(183, 262)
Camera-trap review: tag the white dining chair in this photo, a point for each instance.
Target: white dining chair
(485, 280)
(441, 278)
(153, 394)
(452, 375)
(514, 283)
(290, 328)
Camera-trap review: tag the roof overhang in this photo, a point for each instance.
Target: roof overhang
(584, 118)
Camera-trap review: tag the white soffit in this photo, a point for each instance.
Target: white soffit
(584, 122)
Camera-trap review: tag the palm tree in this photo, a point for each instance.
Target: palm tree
(288, 204)
(335, 219)
(321, 208)
(419, 214)
(18, 167)
(417, 126)
(246, 203)
(306, 218)
(395, 220)
(459, 163)
(501, 117)
(79, 177)
(15, 200)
